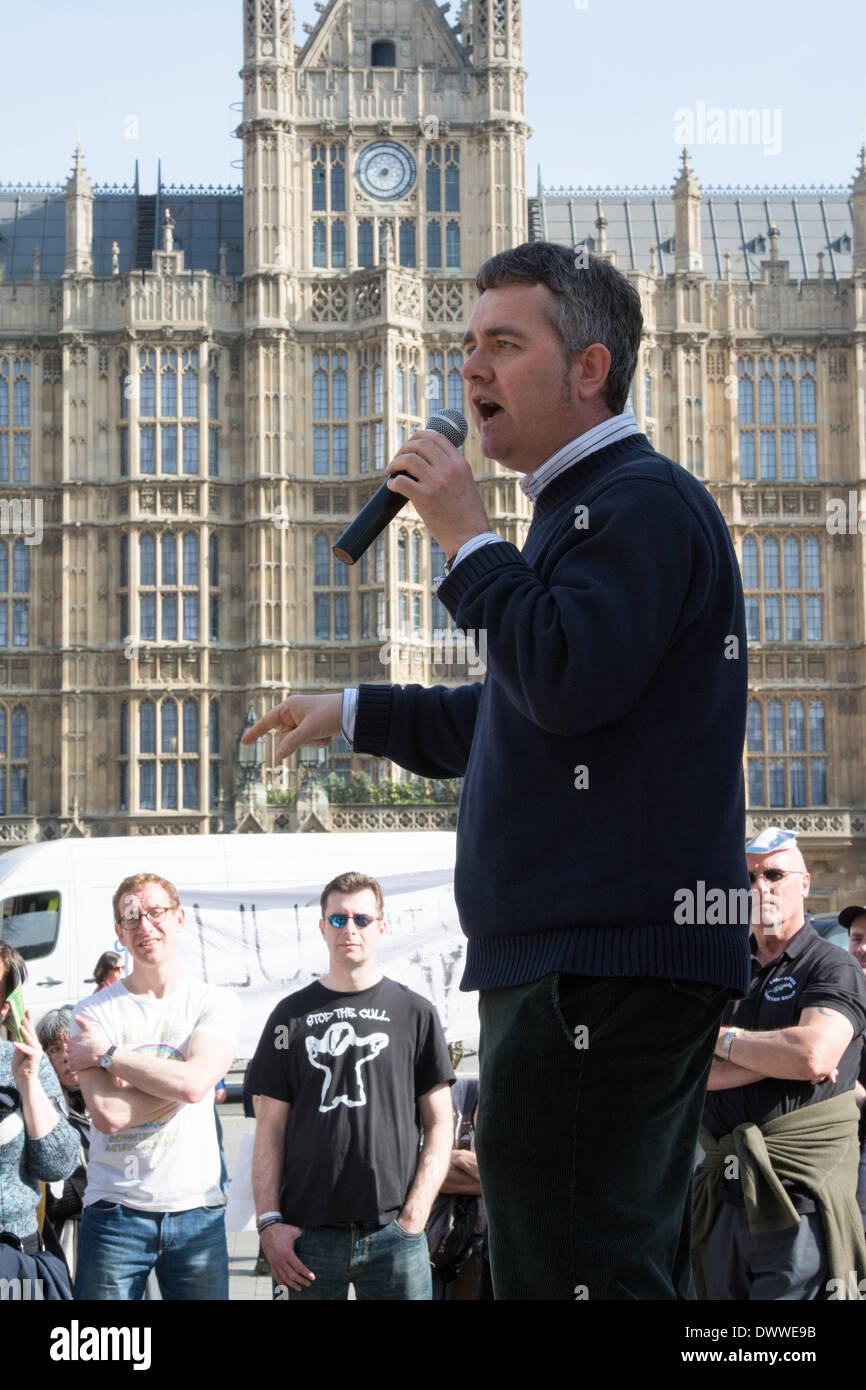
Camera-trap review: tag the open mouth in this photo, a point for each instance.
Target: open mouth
(488, 409)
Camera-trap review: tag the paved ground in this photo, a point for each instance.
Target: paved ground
(244, 1245)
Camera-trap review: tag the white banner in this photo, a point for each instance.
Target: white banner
(266, 943)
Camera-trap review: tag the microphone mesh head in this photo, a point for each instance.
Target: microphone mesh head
(450, 423)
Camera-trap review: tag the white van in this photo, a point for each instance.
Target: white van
(252, 910)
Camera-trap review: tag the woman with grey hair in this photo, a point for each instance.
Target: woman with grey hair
(64, 1200)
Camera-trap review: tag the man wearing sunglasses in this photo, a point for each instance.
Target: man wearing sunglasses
(344, 1071)
(775, 1209)
(148, 1050)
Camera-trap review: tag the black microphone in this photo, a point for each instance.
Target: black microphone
(384, 505)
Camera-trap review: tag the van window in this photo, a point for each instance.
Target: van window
(29, 923)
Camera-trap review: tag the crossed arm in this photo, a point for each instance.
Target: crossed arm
(152, 1084)
(809, 1051)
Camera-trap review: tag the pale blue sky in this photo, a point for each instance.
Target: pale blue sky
(606, 84)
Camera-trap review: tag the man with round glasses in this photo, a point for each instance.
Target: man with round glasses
(344, 1070)
(148, 1050)
(775, 1209)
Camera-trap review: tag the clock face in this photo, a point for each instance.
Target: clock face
(385, 170)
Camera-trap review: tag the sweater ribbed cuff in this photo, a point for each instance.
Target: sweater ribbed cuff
(372, 719)
(480, 562)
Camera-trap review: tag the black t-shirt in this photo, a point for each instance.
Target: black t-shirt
(351, 1067)
(810, 971)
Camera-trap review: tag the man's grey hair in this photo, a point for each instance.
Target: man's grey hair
(594, 304)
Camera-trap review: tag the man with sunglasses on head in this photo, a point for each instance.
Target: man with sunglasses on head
(344, 1071)
(148, 1050)
(775, 1209)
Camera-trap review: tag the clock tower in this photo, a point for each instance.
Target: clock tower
(384, 162)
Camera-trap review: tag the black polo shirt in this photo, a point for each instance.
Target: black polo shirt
(810, 971)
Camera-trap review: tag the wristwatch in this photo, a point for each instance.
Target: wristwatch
(106, 1061)
(727, 1043)
(449, 563)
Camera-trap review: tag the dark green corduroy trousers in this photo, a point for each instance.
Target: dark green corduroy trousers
(591, 1093)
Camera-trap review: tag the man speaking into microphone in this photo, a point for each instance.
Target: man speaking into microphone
(603, 787)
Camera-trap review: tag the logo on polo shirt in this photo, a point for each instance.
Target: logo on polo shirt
(785, 987)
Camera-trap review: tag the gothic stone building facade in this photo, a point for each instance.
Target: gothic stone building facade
(199, 387)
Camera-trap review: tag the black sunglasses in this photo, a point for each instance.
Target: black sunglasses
(771, 875)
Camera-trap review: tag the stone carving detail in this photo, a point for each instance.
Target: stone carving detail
(368, 299)
(749, 504)
(329, 303)
(445, 303)
(167, 499)
(147, 499)
(407, 300)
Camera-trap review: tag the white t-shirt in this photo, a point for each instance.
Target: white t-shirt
(170, 1163)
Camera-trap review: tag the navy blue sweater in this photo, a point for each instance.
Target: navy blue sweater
(603, 752)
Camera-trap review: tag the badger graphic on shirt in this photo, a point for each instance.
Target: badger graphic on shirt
(341, 1054)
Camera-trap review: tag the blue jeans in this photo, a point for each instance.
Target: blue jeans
(118, 1247)
(382, 1262)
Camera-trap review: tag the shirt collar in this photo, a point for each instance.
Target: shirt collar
(794, 948)
(610, 431)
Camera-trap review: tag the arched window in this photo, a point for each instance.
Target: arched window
(339, 393)
(775, 727)
(147, 559)
(816, 726)
(320, 389)
(792, 563)
(168, 546)
(746, 414)
(766, 394)
(807, 395)
(147, 727)
(401, 557)
(416, 558)
(320, 245)
(213, 560)
(796, 727)
(190, 726)
(771, 563)
(434, 246)
(147, 384)
(21, 393)
(168, 383)
(322, 561)
(407, 243)
(190, 558)
(20, 568)
(338, 244)
(168, 727)
(377, 390)
(750, 563)
(320, 194)
(189, 392)
(124, 563)
(452, 246)
(812, 556)
(754, 728)
(338, 180)
(365, 243)
(19, 732)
